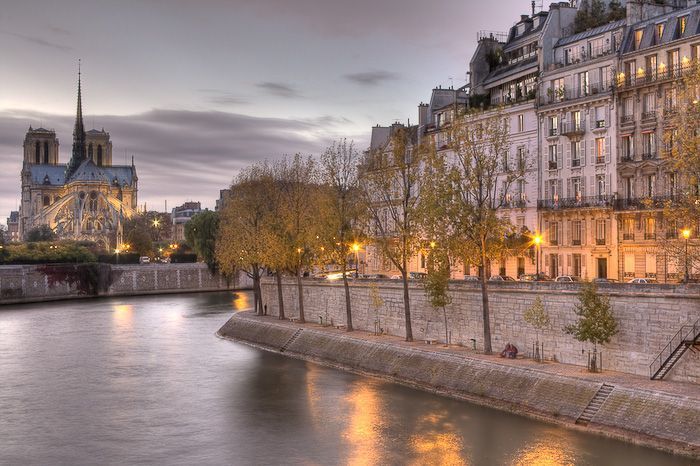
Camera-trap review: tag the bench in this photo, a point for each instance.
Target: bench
(430, 341)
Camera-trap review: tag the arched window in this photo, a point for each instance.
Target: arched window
(37, 153)
(99, 155)
(93, 201)
(91, 155)
(46, 152)
(47, 201)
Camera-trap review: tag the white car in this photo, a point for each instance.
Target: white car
(144, 260)
(643, 281)
(566, 279)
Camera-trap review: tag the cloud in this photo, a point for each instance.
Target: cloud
(279, 89)
(224, 98)
(179, 155)
(371, 78)
(38, 41)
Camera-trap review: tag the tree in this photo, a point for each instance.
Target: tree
(469, 184)
(201, 233)
(340, 210)
(376, 302)
(596, 323)
(297, 216)
(616, 11)
(389, 183)
(41, 233)
(437, 282)
(3, 246)
(244, 227)
(537, 316)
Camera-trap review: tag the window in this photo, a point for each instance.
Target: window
(576, 265)
(521, 123)
(649, 105)
(638, 38)
(93, 201)
(99, 155)
(671, 99)
(628, 229)
(521, 158)
(600, 117)
(502, 267)
(600, 232)
(505, 161)
(695, 51)
(650, 68)
(628, 109)
(582, 81)
(650, 185)
(600, 185)
(554, 233)
(649, 145)
(553, 125)
(600, 150)
(659, 32)
(577, 153)
(553, 156)
(576, 188)
(422, 261)
(576, 233)
(47, 201)
(629, 188)
(650, 228)
(682, 23)
(91, 153)
(627, 146)
(672, 184)
(552, 187)
(521, 190)
(673, 61)
(37, 153)
(521, 266)
(46, 152)
(557, 90)
(576, 120)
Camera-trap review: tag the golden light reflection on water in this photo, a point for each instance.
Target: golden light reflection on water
(439, 442)
(123, 315)
(312, 394)
(241, 302)
(365, 422)
(544, 453)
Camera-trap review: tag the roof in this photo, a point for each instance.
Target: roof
(14, 217)
(591, 32)
(55, 175)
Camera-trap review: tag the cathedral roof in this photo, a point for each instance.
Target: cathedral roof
(55, 175)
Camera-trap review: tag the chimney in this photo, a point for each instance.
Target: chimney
(422, 114)
(533, 7)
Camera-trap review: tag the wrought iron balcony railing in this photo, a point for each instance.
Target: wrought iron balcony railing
(579, 202)
(649, 202)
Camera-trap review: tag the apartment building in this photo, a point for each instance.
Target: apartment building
(578, 155)
(654, 55)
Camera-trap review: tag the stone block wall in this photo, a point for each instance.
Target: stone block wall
(648, 317)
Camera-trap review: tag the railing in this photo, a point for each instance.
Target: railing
(628, 236)
(651, 76)
(649, 202)
(649, 156)
(575, 163)
(494, 35)
(650, 115)
(677, 340)
(627, 119)
(591, 54)
(552, 165)
(507, 99)
(576, 202)
(515, 203)
(573, 128)
(626, 158)
(600, 241)
(649, 236)
(553, 132)
(563, 94)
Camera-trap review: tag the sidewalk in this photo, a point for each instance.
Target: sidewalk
(684, 389)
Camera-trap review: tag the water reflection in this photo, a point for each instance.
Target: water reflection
(545, 454)
(438, 441)
(241, 302)
(364, 423)
(123, 315)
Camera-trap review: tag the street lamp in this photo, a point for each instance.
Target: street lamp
(537, 240)
(686, 234)
(117, 251)
(356, 249)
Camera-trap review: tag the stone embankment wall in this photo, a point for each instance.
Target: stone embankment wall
(648, 317)
(663, 421)
(31, 283)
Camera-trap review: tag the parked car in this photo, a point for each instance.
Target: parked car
(534, 277)
(396, 277)
(603, 280)
(376, 276)
(471, 278)
(144, 260)
(567, 279)
(643, 281)
(501, 278)
(417, 275)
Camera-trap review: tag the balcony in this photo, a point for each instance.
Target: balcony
(600, 241)
(565, 95)
(651, 76)
(642, 203)
(575, 163)
(553, 132)
(649, 115)
(552, 165)
(573, 129)
(591, 54)
(515, 203)
(628, 236)
(600, 124)
(604, 201)
(649, 156)
(626, 158)
(627, 119)
(649, 236)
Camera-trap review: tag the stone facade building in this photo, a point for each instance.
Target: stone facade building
(87, 199)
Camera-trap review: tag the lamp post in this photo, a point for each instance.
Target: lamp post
(537, 240)
(686, 234)
(117, 251)
(356, 249)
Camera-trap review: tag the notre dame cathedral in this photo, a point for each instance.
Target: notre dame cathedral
(86, 199)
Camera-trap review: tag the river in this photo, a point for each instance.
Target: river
(145, 380)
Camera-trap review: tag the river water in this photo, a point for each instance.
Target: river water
(145, 380)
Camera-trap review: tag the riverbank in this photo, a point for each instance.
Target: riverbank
(42, 283)
(662, 415)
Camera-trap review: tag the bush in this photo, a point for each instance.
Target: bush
(48, 253)
(183, 258)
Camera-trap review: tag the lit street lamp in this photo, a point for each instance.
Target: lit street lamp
(686, 234)
(117, 251)
(356, 249)
(537, 240)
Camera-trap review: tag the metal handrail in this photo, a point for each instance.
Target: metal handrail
(676, 341)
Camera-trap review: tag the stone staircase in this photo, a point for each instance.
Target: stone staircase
(291, 340)
(595, 404)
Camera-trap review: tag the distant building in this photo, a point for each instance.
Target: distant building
(12, 233)
(224, 194)
(181, 215)
(87, 199)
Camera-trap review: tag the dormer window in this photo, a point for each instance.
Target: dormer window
(682, 23)
(638, 34)
(659, 32)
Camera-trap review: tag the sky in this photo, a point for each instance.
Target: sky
(197, 89)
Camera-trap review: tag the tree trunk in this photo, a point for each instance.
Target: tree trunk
(447, 336)
(407, 306)
(348, 310)
(256, 292)
(260, 309)
(280, 299)
(485, 301)
(300, 287)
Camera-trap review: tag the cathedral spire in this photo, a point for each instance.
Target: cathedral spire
(79, 149)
